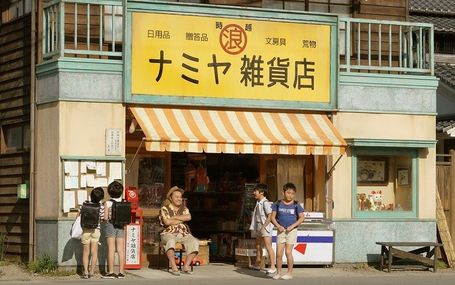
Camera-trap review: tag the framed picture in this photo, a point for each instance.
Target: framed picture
(403, 176)
(372, 170)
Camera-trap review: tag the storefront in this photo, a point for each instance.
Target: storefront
(226, 105)
(218, 175)
(215, 99)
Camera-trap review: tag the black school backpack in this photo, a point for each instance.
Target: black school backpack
(90, 215)
(121, 214)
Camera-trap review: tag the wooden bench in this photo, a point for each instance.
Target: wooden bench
(390, 253)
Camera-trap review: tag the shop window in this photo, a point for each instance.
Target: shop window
(385, 183)
(15, 138)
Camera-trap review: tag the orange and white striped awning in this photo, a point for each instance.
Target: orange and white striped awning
(219, 131)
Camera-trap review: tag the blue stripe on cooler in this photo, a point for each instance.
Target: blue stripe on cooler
(311, 239)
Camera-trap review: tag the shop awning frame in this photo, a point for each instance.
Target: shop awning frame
(223, 131)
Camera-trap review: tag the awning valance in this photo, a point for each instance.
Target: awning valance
(220, 131)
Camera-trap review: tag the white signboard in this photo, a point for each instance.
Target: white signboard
(133, 245)
(113, 142)
(312, 247)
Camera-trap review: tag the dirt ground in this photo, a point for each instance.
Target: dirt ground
(18, 272)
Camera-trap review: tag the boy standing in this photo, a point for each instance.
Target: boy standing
(115, 236)
(91, 237)
(261, 227)
(287, 215)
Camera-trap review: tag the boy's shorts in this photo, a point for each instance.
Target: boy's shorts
(288, 238)
(112, 232)
(262, 233)
(90, 235)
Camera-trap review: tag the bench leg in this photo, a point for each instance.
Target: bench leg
(381, 264)
(436, 253)
(390, 260)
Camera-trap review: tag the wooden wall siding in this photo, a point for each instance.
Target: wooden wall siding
(394, 10)
(15, 110)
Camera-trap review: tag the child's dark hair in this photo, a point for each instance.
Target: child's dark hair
(289, 185)
(262, 188)
(115, 189)
(96, 195)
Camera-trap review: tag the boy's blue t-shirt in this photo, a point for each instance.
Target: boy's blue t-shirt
(287, 215)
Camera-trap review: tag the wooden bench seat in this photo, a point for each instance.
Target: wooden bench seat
(392, 251)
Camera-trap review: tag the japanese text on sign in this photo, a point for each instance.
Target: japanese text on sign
(132, 252)
(230, 58)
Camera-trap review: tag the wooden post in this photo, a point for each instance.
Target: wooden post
(451, 195)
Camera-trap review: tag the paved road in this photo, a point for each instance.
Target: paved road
(229, 275)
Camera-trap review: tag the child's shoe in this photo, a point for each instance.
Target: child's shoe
(120, 276)
(85, 276)
(286, 277)
(276, 277)
(271, 271)
(109, 276)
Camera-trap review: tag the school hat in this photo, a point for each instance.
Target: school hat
(172, 190)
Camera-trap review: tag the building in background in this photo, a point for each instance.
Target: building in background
(92, 125)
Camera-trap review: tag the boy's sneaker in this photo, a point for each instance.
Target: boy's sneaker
(271, 272)
(120, 276)
(276, 277)
(286, 277)
(109, 276)
(85, 276)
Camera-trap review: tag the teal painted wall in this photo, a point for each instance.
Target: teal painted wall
(355, 241)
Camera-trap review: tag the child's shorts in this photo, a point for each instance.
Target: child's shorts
(262, 233)
(112, 232)
(288, 238)
(90, 235)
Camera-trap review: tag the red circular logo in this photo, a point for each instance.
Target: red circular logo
(132, 194)
(233, 39)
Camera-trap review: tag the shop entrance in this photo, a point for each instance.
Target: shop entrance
(218, 190)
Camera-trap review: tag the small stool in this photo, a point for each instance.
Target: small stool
(179, 249)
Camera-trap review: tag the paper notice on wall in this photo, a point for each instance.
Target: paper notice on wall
(71, 168)
(81, 196)
(90, 180)
(115, 170)
(101, 168)
(83, 168)
(100, 182)
(69, 200)
(83, 181)
(71, 182)
(90, 165)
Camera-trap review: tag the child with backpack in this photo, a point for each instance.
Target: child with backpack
(115, 233)
(261, 226)
(287, 215)
(91, 214)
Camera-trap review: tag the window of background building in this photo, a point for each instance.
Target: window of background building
(15, 138)
(385, 183)
(14, 9)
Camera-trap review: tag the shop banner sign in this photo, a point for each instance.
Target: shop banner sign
(182, 55)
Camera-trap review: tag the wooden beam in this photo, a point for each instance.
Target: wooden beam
(444, 232)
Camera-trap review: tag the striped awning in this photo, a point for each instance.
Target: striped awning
(219, 131)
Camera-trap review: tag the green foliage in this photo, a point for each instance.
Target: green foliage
(3, 245)
(44, 265)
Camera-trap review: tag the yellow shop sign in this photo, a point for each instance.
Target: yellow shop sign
(179, 55)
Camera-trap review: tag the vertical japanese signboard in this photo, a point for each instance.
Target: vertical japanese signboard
(215, 57)
(133, 246)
